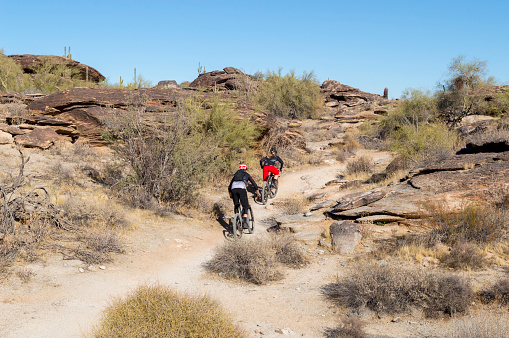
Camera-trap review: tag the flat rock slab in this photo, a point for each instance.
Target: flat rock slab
(358, 199)
(322, 205)
(42, 138)
(299, 218)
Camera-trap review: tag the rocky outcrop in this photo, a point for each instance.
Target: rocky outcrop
(30, 63)
(229, 78)
(459, 179)
(348, 100)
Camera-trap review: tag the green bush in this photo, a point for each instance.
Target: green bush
(424, 143)
(158, 311)
(12, 77)
(171, 157)
(289, 95)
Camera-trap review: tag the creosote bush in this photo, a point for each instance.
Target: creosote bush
(158, 311)
(395, 289)
(289, 95)
(480, 324)
(172, 156)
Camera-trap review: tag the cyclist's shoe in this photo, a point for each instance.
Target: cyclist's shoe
(244, 223)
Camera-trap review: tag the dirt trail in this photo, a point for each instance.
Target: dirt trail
(60, 301)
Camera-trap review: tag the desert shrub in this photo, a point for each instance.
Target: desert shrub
(395, 289)
(480, 324)
(158, 311)
(424, 143)
(52, 75)
(463, 93)
(481, 224)
(498, 291)
(290, 96)
(12, 77)
(90, 213)
(465, 256)
(294, 204)
(416, 108)
(251, 260)
(287, 251)
(351, 327)
(169, 159)
(257, 260)
(360, 165)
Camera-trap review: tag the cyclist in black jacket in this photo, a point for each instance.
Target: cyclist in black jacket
(238, 188)
(268, 164)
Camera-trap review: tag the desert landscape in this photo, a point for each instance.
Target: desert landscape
(390, 219)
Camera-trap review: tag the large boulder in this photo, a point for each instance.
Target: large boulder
(345, 236)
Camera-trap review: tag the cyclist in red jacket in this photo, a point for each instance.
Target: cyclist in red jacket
(268, 164)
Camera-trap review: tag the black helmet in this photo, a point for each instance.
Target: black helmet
(273, 151)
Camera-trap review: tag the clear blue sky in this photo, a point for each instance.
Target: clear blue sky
(365, 44)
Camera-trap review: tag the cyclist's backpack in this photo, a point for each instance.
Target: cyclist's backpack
(239, 175)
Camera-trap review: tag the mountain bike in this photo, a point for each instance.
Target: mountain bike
(239, 225)
(269, 189)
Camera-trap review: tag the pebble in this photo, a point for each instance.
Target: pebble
(81, 270)
(284, 331)
(102, 267)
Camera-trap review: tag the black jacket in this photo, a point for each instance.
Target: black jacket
(244, 177)
(271, 161)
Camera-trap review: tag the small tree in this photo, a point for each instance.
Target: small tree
(461, 95)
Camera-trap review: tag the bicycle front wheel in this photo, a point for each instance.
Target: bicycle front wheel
(273, 188)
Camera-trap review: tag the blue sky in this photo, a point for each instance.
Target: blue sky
(365, 44)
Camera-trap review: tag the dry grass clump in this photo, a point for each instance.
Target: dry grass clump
(480, 324)
(83, 212)
(396, 289)
(257, 260)
(359, 166)
(294, 204)
(158, 311)
(351, 327)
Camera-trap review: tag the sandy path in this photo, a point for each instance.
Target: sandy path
(62, 302)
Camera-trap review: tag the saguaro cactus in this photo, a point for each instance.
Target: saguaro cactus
(386, 93)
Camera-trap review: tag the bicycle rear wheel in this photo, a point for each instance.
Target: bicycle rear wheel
(265, 192)
(237, 226)
(250, 221)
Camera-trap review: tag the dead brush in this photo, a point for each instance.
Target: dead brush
(359, 166)
(465, 256)
(476, 223)
(251, 260)
(257, 260)
(483, 323)
(25, 274)
(351, 327)
(158, 311)
(395, 289)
